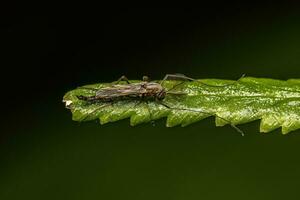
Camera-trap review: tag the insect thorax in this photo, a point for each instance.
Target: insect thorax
(154, 90)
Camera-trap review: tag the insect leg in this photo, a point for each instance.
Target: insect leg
(184, 77)
(174, 86)
(123, 78)
(186, 109)
(176, 77)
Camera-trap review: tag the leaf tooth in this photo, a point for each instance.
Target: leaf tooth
(115, 116)
(292, 123)
(220, 122)
(269, 123)
(104, 119)
(220, 118)
(175, 118)
(141, 115)
(241, 116)
(184, 118)
(147, 113)
(138, 119)
(192, 118)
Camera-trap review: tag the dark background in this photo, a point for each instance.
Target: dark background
(45, 155)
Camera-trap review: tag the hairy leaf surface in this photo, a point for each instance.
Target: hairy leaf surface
(276, 103)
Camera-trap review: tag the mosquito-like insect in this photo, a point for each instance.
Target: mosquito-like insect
(143, 91)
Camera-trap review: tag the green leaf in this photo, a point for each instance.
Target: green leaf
(275, 102)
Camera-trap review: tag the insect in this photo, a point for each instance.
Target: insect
(144, 91)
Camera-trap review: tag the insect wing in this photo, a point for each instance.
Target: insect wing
(119, 90)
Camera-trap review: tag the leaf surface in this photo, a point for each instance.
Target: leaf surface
(275, 102)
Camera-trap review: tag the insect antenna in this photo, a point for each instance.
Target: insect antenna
(207, 113)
